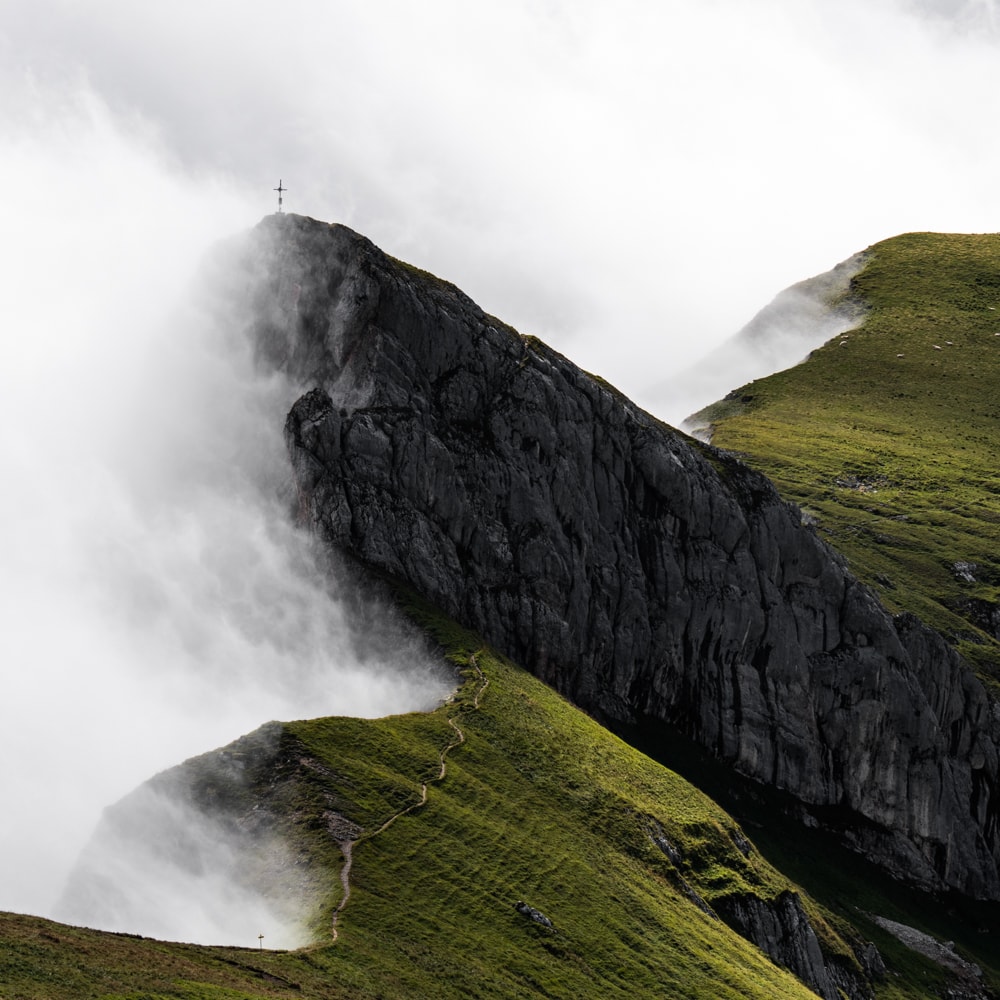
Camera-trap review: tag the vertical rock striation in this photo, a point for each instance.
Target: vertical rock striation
(781, 929)
(639, 573)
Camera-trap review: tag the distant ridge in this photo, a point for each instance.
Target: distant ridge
(798, 320)
(887, 436)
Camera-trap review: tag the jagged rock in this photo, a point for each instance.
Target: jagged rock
(676, 859)
(783, 931)
(967, 983)
(637, 572)
(984, 615)
(870, 959)
(673, 855)
(532, 914)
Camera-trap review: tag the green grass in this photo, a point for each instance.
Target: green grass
(887, 440)
(540, 804)
(543, 805)
(48, 961)
(891, 457)
(848, 888)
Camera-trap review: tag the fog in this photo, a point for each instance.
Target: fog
(157, 600)
(164, 863)
(630, 182)
(798, 320)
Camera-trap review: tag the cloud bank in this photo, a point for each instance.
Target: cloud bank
(798, 320)
(643, 174)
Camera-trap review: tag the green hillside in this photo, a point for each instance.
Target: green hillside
(887, 436)
(537, 803)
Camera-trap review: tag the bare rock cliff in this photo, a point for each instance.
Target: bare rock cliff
(638, 572)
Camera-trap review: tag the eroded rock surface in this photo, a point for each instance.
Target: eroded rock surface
(635, 570)
(782, 930)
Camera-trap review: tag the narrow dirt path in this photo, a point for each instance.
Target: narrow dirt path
(347, 849)
(347, 846)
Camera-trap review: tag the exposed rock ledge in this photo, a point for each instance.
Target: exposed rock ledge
(636, 571)
(781, 929)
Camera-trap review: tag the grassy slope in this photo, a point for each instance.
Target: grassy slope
(894, 456)
(539, 803)
(542, 804)
(850, 889)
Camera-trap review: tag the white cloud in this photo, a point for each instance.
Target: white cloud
(658, 169)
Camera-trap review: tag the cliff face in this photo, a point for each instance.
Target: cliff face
(637, 572)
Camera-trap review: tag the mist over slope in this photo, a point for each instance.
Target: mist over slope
(641, 575)
(157, 598)
(439, 823)
(151, 522)
(324, 300)
(799, 319)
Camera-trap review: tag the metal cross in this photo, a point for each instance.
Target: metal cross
(279, 189)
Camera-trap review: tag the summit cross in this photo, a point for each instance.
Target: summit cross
(279, 189)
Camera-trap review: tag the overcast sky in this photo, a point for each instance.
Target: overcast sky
(629, 181)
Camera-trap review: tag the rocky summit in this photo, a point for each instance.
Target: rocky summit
(642, 574)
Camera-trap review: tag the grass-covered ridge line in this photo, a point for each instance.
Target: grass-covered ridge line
(886, 436)
(543, 805)
(539, 803)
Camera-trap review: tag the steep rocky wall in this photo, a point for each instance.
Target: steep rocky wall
(781, 929)
(639, 573)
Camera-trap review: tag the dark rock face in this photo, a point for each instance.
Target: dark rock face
(636, 571)
(781, 929)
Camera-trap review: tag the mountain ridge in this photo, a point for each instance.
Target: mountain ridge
(319, 309)
(645, 874)
(634, 571)
(884, 435)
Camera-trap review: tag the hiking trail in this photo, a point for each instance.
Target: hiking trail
(347, 846)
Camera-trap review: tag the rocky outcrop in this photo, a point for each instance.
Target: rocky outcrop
(639, 573)
(782, 930)
(532, 914)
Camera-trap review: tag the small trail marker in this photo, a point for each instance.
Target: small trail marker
(280, 190)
